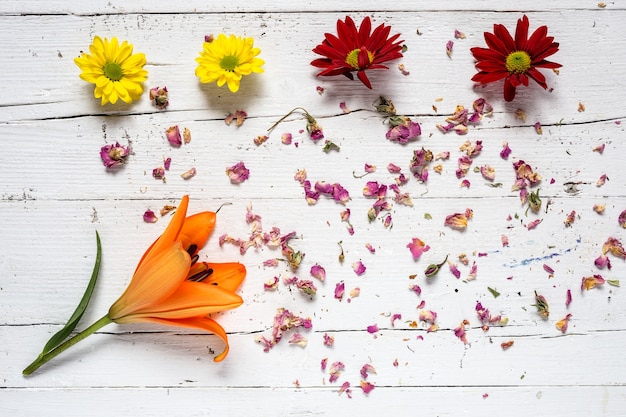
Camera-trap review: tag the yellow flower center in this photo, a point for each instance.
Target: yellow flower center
(518, 62)
(353, 58)
(229, 62)
(113, 71)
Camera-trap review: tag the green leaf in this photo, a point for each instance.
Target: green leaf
(493, 292)
(613, 282)
(62, 334)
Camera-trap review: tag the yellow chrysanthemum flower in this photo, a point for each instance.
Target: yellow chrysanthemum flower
(227, 59)
(116, 72)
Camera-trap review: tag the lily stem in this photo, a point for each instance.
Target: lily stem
(46, 356)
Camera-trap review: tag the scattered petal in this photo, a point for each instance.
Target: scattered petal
(238, 173)
(173, 136)
(358, 268)
(417, 247)
(190, 173)
(150, 217)
(591, 282)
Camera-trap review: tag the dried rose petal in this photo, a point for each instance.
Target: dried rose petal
(591, 282)
(150, 217)
(599, 148)
(367, 387)
(456, 221)
(600, 182)
(259, 140)
(114, 155)
(621, 219)
(159, 97)
(417, 247)
(538, 128)
(372, 328)
(562, 324)
(460, 331)
(339, 290)
(458, 34)
(318, 272)
(173, 136)
(568, 298)
(271, 284)
(238, 173)
(358, 268)
(158, 173)
(328, 340)
(455, 271)
(286, 138)
(190, 173)
(298, 339)
(306, 286)
(335, 371)
(488, 172)
(506, 345)
(506, 151)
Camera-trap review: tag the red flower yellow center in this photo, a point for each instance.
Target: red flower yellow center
(518, 62)
(356, 58)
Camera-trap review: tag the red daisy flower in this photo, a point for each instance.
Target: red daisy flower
(515, 60)
(356, 49)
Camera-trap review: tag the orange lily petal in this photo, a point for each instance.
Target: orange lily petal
(170, 234)
(228, 275)
(196, 230)
(202, 323)
(155, 280)
(191, 299)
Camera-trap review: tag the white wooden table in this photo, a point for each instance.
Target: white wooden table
(55, 194)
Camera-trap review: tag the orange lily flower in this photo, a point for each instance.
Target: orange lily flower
(171, 287)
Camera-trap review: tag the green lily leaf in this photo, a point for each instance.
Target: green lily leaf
(62, 334)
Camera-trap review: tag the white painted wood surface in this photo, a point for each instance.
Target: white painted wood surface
(55, 193)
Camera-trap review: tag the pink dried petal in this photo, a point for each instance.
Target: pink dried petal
(505, 240)
(455, 271)
(614, 246)
(428, 316)
(343, 107)
(460, 331)
(416, 289)
(488, 172)
(367, 387)
(600, 182)
(465, 183)
(533, 224)
(286, 138)
(358, 268)
(602, 262)
(621, 219)
(370, 248)
(339, 290)
(318, 272)
(271, 284)
(506, 151)
(323, 363)
(114, 155)
(366, 370)
(186, 136)
(599, 148)
(591, 282)
(548, 269)
(173, 136)
(238, 173)
(158, 173)
(372, 328)
(167, 163)
(568, 298)
(307, 287)
(393, 168)
(298, 339)
(259, 140)
(335, 371)
(149, 216)
(345, 387)
(159, 97)
(456, 221)
(369, 168)
(328, 340)
(458, 35)
(538, 128)
(417, 247)
(562, 324)
(449, 46)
